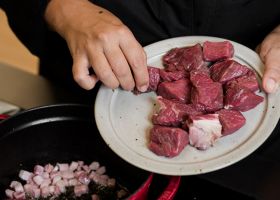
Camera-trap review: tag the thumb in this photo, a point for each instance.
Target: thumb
(81, 73)
(271, 77)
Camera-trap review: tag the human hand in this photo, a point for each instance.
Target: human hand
(269, 51)
(98, 39)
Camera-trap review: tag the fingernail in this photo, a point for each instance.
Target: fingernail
(143, 88)
(271, 85)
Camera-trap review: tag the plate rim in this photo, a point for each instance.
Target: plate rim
(254, 141)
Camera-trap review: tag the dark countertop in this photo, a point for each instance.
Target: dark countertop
(258, 175)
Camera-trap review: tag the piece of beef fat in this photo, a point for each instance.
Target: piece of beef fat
(185, 58)
(249, 81)
(214, 51)
(167, 141)
(227, 70)
(204, 130)
(241, 98)
(231, 120)
(177, 90)
(171, 113)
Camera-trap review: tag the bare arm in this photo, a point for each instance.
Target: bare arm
(98, 39)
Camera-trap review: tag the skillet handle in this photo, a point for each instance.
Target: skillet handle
(142, 192)
(171, 189)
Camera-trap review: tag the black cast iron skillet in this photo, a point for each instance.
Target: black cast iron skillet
(64, 133)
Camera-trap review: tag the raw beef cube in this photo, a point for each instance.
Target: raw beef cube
(213, 51)
(227, 70)
(205, 92)
(249, 81)
(231, 120)
(200, 78)
(172, 57)
(204, 130)
(186, 58)
(171, 113)
(178, 90)
(241, 98)
(173, 76)
(154, 79)
(167, 141)
(210, 97)
(204, 68)
(192, 58)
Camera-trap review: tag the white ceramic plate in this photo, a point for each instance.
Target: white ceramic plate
(124, 121)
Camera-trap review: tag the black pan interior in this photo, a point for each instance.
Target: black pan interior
(58, 133)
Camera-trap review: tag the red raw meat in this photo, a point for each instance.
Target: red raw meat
(173, 113)
(167, 141)
(213, 51)
(204, 130)
(206, 92)
(177, 90)
(227, 70)
(249, 81)
(200, 78)
(190, 96)
(241, 98)
(173, 76)
(231, 120)
(186, 58)
(154, 79)
(173, 56)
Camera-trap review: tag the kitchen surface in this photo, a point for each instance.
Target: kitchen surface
(256, 177)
